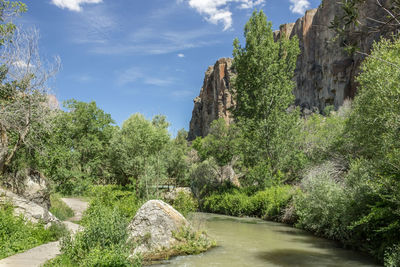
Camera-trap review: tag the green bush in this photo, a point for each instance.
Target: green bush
(184, 203)
(267, 204)
(17, 234)
(114, 197)
(322, 207)
(59, 209)
(392, 256)
(103, 242)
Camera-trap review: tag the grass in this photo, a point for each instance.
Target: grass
(189, 242)
(18, 235)
(59, 208)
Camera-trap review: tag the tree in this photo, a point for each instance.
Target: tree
(136, 148)
(374, 132)
(263, 92)
(9, 10)
(78, 146)
(25, 114)
(219, 143)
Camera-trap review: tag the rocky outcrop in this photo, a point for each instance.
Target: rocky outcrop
(30, 210)
(153, 227)
(325, 73)
(30, 185)
(214, 100)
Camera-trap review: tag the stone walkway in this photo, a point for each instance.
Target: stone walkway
(37, 256)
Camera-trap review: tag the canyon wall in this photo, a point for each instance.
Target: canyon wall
(214, 100)
(325, 72)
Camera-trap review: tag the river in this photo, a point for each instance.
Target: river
(254, 242)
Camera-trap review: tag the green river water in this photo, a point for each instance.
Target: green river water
(254, 242)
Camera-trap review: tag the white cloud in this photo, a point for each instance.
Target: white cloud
(299, 6)
(136, 75)
(74, 5)
(181, 55)
(216, 11)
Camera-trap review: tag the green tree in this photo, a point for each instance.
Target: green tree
(78, 146)
(9, 10)
(219, 143)
(373, 128)
(135, 152)
(263, 93)
(175, 155)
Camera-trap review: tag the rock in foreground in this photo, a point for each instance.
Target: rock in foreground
(154, 225)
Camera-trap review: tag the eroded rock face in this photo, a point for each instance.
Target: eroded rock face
(30, 210)
(153, 226)
(214, 100)
(325, 73)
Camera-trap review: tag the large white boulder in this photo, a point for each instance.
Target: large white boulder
(30, 210)
(153, 226)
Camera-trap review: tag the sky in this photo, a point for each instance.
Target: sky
(146, 56)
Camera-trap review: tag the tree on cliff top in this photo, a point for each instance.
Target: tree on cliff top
(263, 91)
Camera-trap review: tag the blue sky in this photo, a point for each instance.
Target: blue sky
(144, 56)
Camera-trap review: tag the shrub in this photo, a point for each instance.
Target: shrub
(17, 234)
(103, 242)
(59, 209)
(184, 203)
(269, 203)
(322, 207)
(392, 256)
(204, 178)
(114, 197)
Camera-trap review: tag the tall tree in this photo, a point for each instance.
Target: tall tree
(263, 90)
(24, 109)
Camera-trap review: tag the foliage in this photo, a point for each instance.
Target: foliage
(192, 242)
(18, 235)
(392, 256)
(322, 206)
(263, 93)
(204, 177)
(103, 242)
(78, 147)
(184, 203)
(59, 209)
(267, 204)
(136, 151)
(219, 143)
(112, 197)
(25, 115)
(8, 10)
(176, 159)
(323, 137)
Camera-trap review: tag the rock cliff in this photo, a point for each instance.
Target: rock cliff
(324, 73)
(214, 100)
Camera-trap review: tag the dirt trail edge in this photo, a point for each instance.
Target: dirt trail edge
(37, 256)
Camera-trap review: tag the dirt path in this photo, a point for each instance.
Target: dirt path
(37, 256)
(78, 206)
